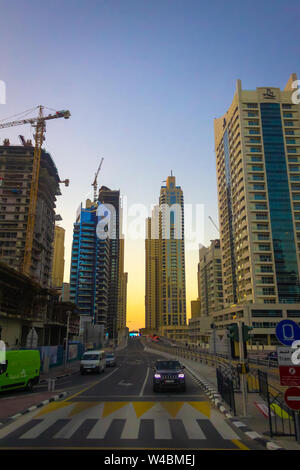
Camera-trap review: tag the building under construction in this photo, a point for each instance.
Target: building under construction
(16, 163)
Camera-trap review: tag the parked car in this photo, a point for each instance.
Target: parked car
(168, 374)
(110, 359)
(21, 369)
(93, 361)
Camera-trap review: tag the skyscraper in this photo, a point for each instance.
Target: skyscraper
(89, 275)
(165, 300)
(258, 175)
(111, 199)
(152, 299)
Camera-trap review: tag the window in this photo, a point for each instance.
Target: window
(287, 115)
(290, 141)
(251, 105)
(256, 159)
(253, 131)
(288, 123)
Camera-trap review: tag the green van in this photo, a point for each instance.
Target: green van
(20, 370)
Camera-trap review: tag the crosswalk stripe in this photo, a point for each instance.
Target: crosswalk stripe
(131, 429)
(162, 429)
(34, 432)
(100, 428)
(193, 429)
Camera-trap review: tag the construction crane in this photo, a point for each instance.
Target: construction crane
(39, 123)
(213, 223)
(94, 184)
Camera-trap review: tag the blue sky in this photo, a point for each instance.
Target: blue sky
(143, 80)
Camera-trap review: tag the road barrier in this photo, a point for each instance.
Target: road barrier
(226, 389)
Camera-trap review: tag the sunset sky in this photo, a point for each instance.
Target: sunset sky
(143, 80)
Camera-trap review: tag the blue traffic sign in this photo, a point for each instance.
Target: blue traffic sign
(287, 331)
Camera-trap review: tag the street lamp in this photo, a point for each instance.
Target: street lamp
(67, 338)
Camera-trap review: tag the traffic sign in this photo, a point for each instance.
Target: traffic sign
(284, 355)
(287, 331)
(289, 375)
(292, 398)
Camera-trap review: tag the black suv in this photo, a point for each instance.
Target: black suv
(168, 374)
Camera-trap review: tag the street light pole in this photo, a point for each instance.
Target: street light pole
(243, 375)
(67, 339)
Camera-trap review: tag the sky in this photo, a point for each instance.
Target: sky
(143, 80)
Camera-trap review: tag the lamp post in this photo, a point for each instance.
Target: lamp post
(67, 338)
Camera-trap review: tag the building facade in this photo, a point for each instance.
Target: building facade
(89, 276)
(257, 145)
(15, 183)
(210, 287)
(152, 299)
(58, 264)
(122, 291)
(165, 300)
(111, 200)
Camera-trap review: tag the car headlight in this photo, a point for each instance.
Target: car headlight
(157, 376)
(181, 376)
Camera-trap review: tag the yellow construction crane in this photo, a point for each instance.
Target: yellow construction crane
(94, 184)
(39, 123)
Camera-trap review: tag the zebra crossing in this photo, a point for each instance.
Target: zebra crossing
(138, 423)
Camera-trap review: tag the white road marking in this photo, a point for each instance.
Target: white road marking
(145, 381)
(193, 429)
(162, 429)
(221, 426)
(39, 428)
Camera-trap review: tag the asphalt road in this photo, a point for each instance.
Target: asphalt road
(119, 410)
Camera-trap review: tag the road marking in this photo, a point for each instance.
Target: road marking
(222, 427)
(172, 407)
(162, 429)
(142, 407)
(111, 407)
(145, 381)
(91, 386)
(39, 428)
(239, 444)
(193, 429)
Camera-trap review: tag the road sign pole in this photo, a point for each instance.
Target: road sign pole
(297, 425)
(243, 376)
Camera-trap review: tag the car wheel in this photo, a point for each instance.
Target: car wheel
(183, 388)
(155, 388)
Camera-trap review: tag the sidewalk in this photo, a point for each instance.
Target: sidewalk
(255, 419)
(60, 371)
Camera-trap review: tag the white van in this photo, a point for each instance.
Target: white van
(93, 361)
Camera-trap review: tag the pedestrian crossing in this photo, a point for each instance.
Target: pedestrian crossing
(117, 422)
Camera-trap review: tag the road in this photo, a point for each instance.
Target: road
(119, 410)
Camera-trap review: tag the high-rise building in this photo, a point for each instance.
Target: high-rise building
(15, 183)
(210, 288)
(89, 277)
(122, 290)
(165, 300)
(152, 300)
(171, 255)
(58, 264)
(257, 147)
(111, 199)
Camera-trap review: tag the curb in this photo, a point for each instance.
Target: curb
(39, 405)
(216, 399)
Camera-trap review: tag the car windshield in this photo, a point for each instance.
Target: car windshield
(161, 365)
(90, 357)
